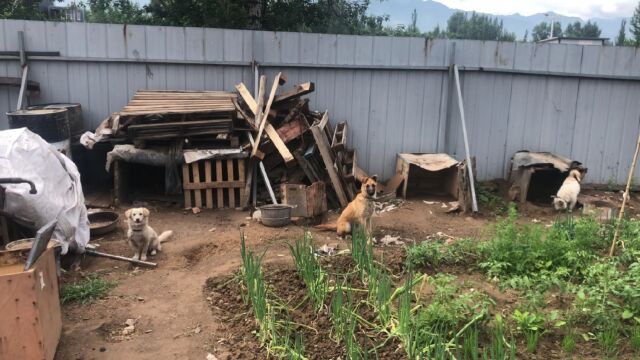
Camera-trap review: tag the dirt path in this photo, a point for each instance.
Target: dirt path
(174, 321)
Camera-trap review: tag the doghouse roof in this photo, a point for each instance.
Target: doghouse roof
(528, 159)
(430, 162)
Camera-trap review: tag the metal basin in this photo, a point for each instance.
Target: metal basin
(102, 222)
(276, 215)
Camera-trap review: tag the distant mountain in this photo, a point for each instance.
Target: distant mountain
(432, 13)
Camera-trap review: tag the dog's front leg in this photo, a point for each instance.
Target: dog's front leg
(145, 249)
(136, 250)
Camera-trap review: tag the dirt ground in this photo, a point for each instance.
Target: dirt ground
(174, 320)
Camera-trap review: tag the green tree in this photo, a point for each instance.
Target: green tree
(541, 31)
(116, 11)
(635, 25)
(26, 9)
(621, 39)
(477, 27)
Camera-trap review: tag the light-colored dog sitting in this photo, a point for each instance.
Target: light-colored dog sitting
(567, 196)
(140, 236)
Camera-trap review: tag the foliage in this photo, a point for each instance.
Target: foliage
(116, 11)
(635, 25)
(86, 291)
(621, 39)
(531, 325)
(488, 198)
(437, 253)
(309, 269)
(25, 9)
(499, 348)
(576, 29)
(477, 27)
(541, 31)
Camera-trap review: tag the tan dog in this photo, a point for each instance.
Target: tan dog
(567, 195)
(359, 211)
(140, 236)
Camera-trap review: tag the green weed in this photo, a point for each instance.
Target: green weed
(86, 291)
(531, 325)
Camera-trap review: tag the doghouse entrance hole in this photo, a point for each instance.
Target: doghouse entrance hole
(441, 185)
(138, 181)
(544, 183)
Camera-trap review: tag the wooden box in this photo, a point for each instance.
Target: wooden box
(214, 184)
(308, 201)
(30, 320)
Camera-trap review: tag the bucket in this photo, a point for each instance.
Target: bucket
(276, 215)
(74, 114)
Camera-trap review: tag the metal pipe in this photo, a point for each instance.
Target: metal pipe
(118, 257)
(264, 172)
(474, 203)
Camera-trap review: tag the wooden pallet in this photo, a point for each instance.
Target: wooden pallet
(214, 184)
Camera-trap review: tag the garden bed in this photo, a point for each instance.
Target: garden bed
(530, 292)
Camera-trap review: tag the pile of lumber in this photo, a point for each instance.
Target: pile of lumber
(167, 115)
(297, 145)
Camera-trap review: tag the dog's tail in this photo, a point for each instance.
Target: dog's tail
(327, 227)
(165, 236)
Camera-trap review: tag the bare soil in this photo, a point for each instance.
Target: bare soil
(188, 307)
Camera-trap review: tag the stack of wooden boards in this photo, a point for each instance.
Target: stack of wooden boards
(166, 115)
(295, 144)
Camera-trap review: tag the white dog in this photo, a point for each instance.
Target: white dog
(140, 236)
(567, 196)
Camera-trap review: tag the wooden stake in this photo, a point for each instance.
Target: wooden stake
(616, 234)
(263, 121)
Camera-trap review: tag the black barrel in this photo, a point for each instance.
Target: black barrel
(51, 124)
(76, 126)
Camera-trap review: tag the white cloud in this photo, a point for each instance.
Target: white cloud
(584, 9)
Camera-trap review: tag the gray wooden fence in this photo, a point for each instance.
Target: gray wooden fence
(582, 102)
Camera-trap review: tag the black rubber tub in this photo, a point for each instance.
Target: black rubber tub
(51, 124)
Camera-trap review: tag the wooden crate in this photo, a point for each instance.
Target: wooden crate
(214, 184)
(30, 321)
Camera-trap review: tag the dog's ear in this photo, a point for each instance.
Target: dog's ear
(127, 214)
(145, 212)
(374, 178)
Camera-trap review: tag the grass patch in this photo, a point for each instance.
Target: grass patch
(86, 291)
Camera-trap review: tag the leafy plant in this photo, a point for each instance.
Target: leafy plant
(86, 291)
(531, 325)
(309, 269)
(635, 337)
(436, 253)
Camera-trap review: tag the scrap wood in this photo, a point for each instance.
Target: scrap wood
(325, 153)
(263, 121)
(297, 91)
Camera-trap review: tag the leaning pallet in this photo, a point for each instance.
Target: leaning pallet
(214, 183)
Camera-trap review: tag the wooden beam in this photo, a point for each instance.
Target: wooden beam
(263, 121)
(280, 145)
(261, 90)
(325, 153)
(248, 99)
(297, 91)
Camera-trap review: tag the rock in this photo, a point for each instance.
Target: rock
(195, 210)
(140, 298)
(209, 298)
(197, 330)
(210, 356)
(212, 229)
(130, 322)
(148, 331)
(128, 330)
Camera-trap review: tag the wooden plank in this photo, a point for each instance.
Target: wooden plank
(248, 183)
(259, 109)
(248, 118)
(289, 160)
(207, 178)
(230, 177)
(241, 177)
(216, 184)
(297, 91)
(185, 183)
(219, 179)
(196, 179)
(248, 99)
(325, 153)
(306, 167)
(212, 122)
(263, 121)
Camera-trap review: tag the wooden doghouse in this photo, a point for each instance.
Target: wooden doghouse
(434, 175)
(536, 176)
(30, 321)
